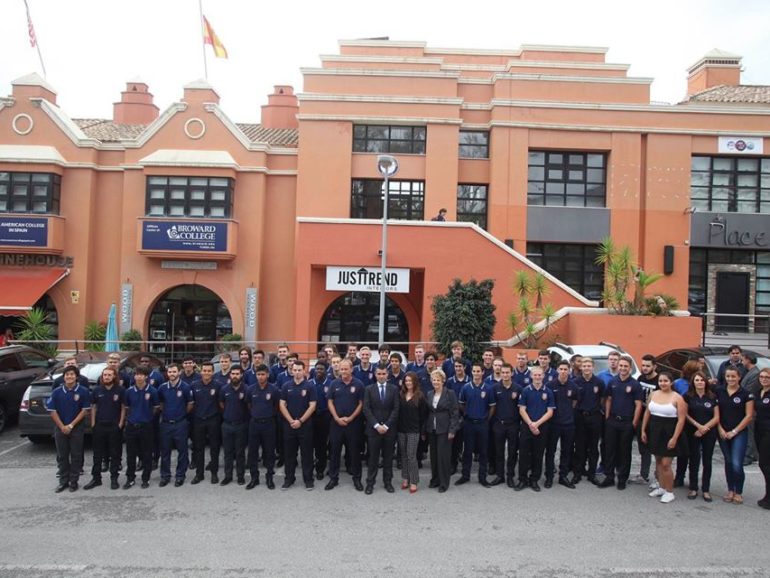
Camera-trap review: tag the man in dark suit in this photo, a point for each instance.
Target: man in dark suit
(381, 411)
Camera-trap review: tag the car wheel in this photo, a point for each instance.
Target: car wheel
(3, 417)
(38, 439)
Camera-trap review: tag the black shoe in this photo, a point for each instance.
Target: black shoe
(92, 484)
(606, 483)
(461, 481)
(548, 483)
(535, 486)
(566, 483)
(214, 479)
(389, 488)
(270, 483)
(369, 489)
(179, 483)
(593, 480)
(253, 483)
(764, 504)
(332, 484)
(287, 484)
(60, 488)
(442, 489)
(309, 485)
(358, 485)
(521, 485)
(241, 481)
(145, 485)
(497, 481)
(128, 484)
(433, 484)
(196, 480)
(163, 483)
(510, 482)
(114, 485)
(485, 483)
(225, 481)
(621, 485)
(73, 486)
(319, 475)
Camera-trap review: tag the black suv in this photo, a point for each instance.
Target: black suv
(20, 365)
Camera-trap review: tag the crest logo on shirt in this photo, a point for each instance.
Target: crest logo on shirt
(513, 395)
(766, 400)
(179, 393)
(115, 397)
(736, 400)
(628, 389)
(569, 393)
(545, 397)
(707, 405)
(240, 395)
(352, 389)
(304, 393)
(596, 389)
(526, 380)
(212, 392)
(147, 396)
(483, 394)
(77, 396)
(267, 396)
(326, 389)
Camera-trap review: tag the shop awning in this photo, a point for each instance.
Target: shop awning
(21, 288)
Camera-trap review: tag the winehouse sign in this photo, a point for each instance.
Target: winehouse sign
(368, 279)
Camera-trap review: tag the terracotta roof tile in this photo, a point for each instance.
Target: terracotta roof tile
(275, 136)
(743, 94)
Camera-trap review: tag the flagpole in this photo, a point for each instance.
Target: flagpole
(203, 43)
(37, 43)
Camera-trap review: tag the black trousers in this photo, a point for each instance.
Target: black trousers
(261, 436)
(140, 443)
(385, 445)
(588, 432)
(476, 439)
(352, 437)
(563, 436)
(457, 448)
(644, 454)
(506, 433)
(440, 458)
(618, 442)
(298, 439)
(321, 420)
(700, 448)
(209, 429)
(107, 443)
(69, 453)
(762, 438)
(531, 449)
(234, 439)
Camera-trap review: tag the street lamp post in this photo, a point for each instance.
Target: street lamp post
(388, 166)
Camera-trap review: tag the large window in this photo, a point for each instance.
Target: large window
(729, 184)
(567, 179)
(472, 204)
(189, 197)
(474, 144)
(30, 193)
(373, 138)
(406, 199)
(572, 264)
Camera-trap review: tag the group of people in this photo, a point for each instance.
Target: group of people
(512, 419)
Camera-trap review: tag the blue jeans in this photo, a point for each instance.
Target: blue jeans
(734, 451)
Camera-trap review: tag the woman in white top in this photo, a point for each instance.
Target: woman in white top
(662, 428)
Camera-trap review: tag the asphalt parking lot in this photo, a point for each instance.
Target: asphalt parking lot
(205, 530)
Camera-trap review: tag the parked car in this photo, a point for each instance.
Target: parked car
(674, 359)
(599, 353)
(20, 365)
(34, 421)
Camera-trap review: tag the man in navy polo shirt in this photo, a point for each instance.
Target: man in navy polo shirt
(521, 373)
(456, 383)
(448, 366)
(622, 408)
(544, 361)
(345, 403)
(206, 423)
(82, 379)
(506, 424)
(487, 362)
(175, 403)
(418, 364)
(68, 406)
(281, 365)
(536, 407)
(562, 429)
(477, 401)
(364, 371)
(141, 402)
(187, 372)
(589, 423)
(321, 417)
(396, 374)
(298, 402)
(235, 425)
(108, 414)
(222, 377)
(263, 405)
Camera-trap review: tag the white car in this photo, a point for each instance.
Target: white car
(598, 353)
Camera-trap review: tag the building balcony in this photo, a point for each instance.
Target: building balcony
(196, 239)
(31, 233)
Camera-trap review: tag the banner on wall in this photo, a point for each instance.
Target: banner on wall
(366, 279)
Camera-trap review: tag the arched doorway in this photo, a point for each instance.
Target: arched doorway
(355, 317)
(190, 313)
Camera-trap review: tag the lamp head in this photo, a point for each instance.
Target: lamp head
(387, 165)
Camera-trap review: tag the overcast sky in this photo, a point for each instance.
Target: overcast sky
(92, 47)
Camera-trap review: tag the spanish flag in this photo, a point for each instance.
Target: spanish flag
(210, 37)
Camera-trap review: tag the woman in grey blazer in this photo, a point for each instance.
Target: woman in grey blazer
(441, 426)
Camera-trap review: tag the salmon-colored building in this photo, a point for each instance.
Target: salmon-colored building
(197, 227)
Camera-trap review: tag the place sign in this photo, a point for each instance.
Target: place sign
(206, 236)
(24, 231)
(367, 279)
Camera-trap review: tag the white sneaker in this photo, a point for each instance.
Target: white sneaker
(657, 492)
(667, 497)
(654, 485)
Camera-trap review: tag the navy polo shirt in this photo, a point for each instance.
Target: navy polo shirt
(275, 370)
(523, 378)
(283, 378)
(606, 376)
(732, 408)
(206, 399)
(701, 409)
(762, 406)
(536, 401)
(188, 379)
(623, 396)
(448, 367)
(493, 380)
(69, 402)
(592, 393)
(346, 396)
(456, 384)
(141, 404)
(222, 379)
(155, 379)
(506, 401)
(397, 380)
(174, 400)
(108, 403)
(365, 376)
(565, 394)
(298, 397)
(477, 399)
(263, 401)
(412, 366)
(321, 389)
(487, 372)
(426, 384)
(236, 409)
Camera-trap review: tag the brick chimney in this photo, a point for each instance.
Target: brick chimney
(135, 106)
(33, 86)
(715, 69)
(281, 108)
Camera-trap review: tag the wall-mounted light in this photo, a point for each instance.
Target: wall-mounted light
(690, 210)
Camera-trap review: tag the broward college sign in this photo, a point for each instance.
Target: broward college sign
(184, 236)
(366, 279)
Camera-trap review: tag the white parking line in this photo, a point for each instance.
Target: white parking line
(9, 450)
